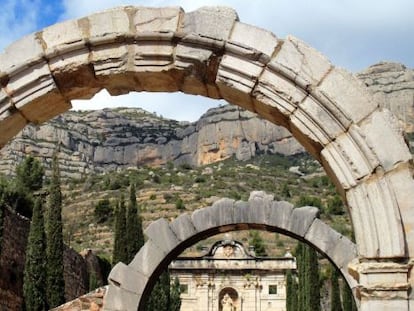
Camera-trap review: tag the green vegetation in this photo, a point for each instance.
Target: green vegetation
(120, 252)
(308, 292)
(165, 295)
(134, 233)
(103, 211)
(54, 240)
(291, 292)
(335, 293)
(29, 174)
(257, 242)
(34, 283)
(348, 302)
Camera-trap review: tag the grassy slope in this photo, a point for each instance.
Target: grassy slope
(159, 190)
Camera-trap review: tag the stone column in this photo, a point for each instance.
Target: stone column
(383, 285)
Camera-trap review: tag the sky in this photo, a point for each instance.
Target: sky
(353, 34)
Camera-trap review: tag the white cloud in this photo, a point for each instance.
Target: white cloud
(17, 18)
(177, 106)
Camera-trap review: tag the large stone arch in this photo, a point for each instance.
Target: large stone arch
(131, 284)
(209, 52)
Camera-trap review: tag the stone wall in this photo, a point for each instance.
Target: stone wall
(12, 258)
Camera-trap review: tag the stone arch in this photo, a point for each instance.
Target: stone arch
(130, 284)
(209, 52)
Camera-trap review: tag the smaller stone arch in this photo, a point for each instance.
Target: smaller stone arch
(130, 285)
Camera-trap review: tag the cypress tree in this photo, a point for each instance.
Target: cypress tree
(175, 299)
(135, 236)
(120, 241)
(54, 240)
(348, 302)
(159, 299)
(335, 294)
(313, 288)
(291, 292)
(34, 285)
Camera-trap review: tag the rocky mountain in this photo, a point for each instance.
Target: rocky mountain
(116, 139)
(393, 85)
(106, 140)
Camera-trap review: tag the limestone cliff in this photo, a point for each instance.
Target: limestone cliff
(106, 140)
(393, 86)
(121, 138)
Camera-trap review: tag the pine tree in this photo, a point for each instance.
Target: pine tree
(34, 284)
(347, 299)
(120, 243)
(335, 294)
(54, 240)
(135, 236)
(175, 299)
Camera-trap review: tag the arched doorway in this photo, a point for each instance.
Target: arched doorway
(209, 52)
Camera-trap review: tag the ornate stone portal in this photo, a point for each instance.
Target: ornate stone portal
(229, 278)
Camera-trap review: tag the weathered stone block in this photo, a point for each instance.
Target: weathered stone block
(148, 258)
(400, 180)
(274, 84)
(127, 278)
(110, 59)
(344, 252)
(261, 195)
(241, 212)
(258, 210)
(183, 227)
(300, 62)
(21, 55)
(157, 19)
(223, 208)
(204, 219)
(109, 26)
(348, 94)
(382, 130)
(36, 95)
(73, 74)
(118, 299)
(254, 37)
(308, 133)
(62, 37)
(215, 22)
(302, 218)
(349, 158)
(11, 123)
(280, 215)
(384, 304)
(331, 122)
(160, 233)
(376, 219)
(322, 236)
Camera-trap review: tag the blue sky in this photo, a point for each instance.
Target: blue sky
(353, 34)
